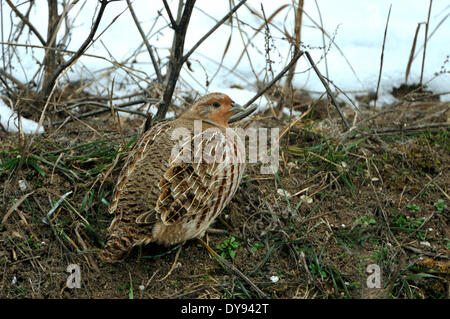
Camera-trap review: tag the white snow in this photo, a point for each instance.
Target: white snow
(9, 120)
(357, 28)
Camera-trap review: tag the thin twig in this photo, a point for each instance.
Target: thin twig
(27, 22)
(323, 40)
(15, 206)
(275, 79)
(234, 270)
(177, 58)
(218, 24)
(120, 107)
(257, 31)
(327, 88)
(106, 108)
(332, 42)
(169, 13)
(423, 188)
(426, 253)
(411, 128)
(191, 292)
(433, 32)
(19, 84)
(438, 187)
(293, 123)
(174, 264)
(114, 63)
(149, 47)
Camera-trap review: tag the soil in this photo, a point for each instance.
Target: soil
(339, 202)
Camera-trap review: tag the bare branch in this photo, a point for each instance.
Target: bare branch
(106, 108)
(234, 270)
(80, 51)
(169, 13)
(177, 58)
(19, 84)
(27, 22)
(50, 57)
(424, 127)
(327, 88)
(149, 47)
(275, 79)
(176, 61)
(218, 24)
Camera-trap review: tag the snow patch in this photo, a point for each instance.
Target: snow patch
(9, 120)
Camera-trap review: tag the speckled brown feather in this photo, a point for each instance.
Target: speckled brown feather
(157, 199)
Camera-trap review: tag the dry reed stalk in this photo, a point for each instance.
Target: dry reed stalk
(381, 59)
(411, 55)
(425, 43)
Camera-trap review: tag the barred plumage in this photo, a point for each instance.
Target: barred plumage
(171, 190)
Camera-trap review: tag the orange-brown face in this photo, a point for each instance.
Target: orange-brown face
(215, 107)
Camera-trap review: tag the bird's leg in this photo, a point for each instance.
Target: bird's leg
(174, 263)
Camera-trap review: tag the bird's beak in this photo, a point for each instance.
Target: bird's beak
(236, 108)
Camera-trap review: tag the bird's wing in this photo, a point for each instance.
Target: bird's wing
(183, 193)
(143, 159)
(189, 187)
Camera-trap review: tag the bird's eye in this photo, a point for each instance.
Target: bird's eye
(216, 104)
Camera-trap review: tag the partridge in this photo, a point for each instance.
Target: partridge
(177, 179)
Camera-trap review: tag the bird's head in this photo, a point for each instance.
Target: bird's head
(215, 108)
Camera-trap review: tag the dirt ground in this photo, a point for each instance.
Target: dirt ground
(341, 201)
